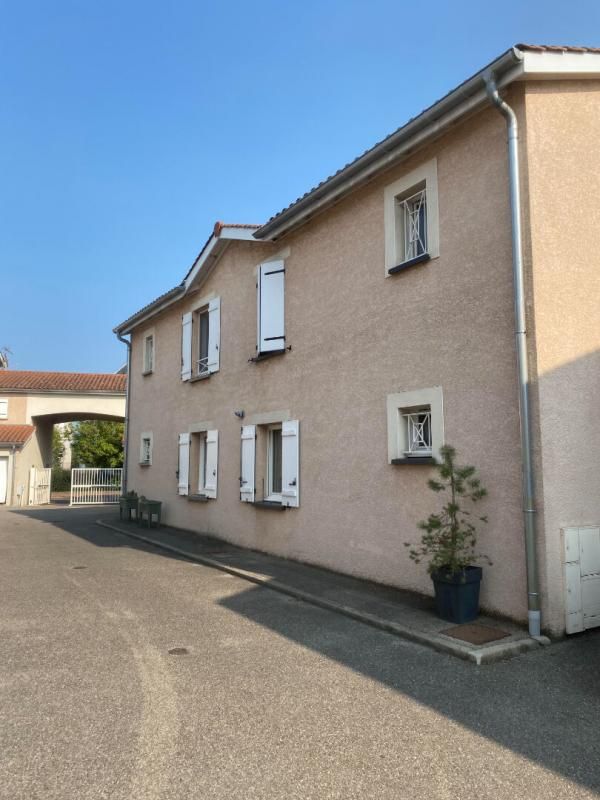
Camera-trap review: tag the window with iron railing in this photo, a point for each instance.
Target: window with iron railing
(201, 361)
(418, 432)
(412, 225)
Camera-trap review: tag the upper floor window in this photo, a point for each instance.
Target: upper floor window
(418, 431)
(201, 340)
(411, 218)
(148, 353)
(3, 408)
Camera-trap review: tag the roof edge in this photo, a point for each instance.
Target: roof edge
(214, 247)
(384, 154)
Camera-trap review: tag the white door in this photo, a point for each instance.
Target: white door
(3, 478)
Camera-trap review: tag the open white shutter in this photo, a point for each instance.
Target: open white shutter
(184, 463)
(212, 458)
(248, 457)
(271, 306)
(214, 334)
(290, 463)
(186, 346)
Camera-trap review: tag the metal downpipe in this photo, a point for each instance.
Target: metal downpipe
(127, 343)
(533, 597)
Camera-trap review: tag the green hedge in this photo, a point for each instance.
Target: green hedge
(61, 480)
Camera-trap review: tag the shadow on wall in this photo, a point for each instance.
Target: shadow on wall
(544, 706)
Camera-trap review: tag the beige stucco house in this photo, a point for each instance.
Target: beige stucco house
(31, 403)
(291, 393)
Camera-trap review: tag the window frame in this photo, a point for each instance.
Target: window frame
(421, 178)
(197, 315)
(146, 436)
(148, 370)
(271, 496)
(398, 406)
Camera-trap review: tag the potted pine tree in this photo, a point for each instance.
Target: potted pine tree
(449, 539)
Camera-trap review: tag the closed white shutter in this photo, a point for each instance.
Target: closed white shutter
(211, 455)
(271, 307)
(214, 334)
(184, 463)
(186, 346)
(248, 457)
(290, 463)
(3, 409)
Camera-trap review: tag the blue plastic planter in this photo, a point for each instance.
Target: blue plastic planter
(457, 595)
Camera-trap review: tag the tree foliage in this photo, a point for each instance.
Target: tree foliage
(58, 447)
(450, 536)
(97, 443)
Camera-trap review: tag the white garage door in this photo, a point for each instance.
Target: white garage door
(582, 578)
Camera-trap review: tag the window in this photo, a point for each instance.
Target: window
(198, 463)
(274, 464)
(415, 426)
(271, 307)
(270, 461)
(201, 340)
(411, 218)
(148, 353)
(3, 408)
(418, 431)
(201, 343)
(146, 449)
(411, 222)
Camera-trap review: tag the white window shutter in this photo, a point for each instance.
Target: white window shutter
(271, 306)
(3, 409)
(214, 334)
(186, 346)
(184, 463)
(248, 458)
(211, 454)
(290, 463)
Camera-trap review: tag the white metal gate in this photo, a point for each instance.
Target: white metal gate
(95, 485)
(39, 486)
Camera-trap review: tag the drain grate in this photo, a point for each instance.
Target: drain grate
(178, 651)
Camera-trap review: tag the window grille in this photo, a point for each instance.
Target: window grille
(418, 432)
(146, 450)
(413, 210)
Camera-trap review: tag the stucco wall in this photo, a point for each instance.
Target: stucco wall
(356, 337)
(17, 409)
(563, 128)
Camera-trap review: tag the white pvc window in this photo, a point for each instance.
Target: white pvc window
(274, 463)
(411, 224)
(201, 361)
(146, 448)
(418, 432)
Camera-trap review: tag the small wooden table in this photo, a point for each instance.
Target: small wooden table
(150, 508)
(127, 504)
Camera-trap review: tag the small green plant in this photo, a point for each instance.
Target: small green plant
(449, 537)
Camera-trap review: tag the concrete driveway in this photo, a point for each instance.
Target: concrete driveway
(272, 698)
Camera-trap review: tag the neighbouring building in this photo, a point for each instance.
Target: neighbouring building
(31, 403)
(292, 392)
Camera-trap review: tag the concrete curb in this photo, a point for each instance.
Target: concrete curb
(484, 655)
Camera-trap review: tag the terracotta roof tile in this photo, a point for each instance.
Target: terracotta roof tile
(24, 380)
(15, 434)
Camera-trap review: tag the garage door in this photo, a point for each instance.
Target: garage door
(582, 578)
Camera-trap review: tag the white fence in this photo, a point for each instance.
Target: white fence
(39, 486)
(95, 486)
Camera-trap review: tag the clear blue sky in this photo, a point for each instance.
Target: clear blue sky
(129, 126)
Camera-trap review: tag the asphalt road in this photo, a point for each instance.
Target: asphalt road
(273, 698)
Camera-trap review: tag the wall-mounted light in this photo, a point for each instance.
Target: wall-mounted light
(239, 414)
